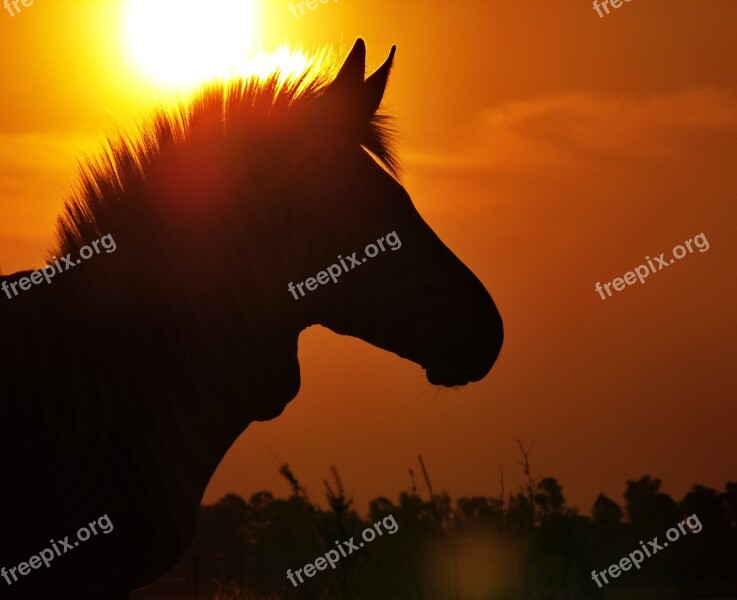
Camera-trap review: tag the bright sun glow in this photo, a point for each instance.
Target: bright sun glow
(182, 43)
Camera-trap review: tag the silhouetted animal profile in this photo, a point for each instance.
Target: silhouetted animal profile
(126, 380)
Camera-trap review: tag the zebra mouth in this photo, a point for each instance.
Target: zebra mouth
(446, 377)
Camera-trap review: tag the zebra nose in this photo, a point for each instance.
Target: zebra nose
(466, 353)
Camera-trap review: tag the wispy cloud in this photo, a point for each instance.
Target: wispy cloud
(582, 130)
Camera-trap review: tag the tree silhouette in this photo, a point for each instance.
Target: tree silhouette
(648, 508)
(471, 549)
(606, 512)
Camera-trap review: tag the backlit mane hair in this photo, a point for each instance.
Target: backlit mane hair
(112, 194)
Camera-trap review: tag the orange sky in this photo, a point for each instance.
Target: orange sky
(550, 149)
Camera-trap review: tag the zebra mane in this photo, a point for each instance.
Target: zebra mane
(110, 195)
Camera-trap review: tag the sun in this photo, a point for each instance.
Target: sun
(181, 43)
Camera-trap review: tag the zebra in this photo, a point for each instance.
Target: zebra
(126, 379)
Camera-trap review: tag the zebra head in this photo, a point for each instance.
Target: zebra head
(347, 271)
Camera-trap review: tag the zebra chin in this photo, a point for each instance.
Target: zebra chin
(455, 375)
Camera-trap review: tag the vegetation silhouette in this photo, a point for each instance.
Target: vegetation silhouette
(126, 380)
(482, 548)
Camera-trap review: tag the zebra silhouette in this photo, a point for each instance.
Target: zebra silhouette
(126, 380)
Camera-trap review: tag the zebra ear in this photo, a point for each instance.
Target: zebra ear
(351, 74)
(350, 94)
(376, 83)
